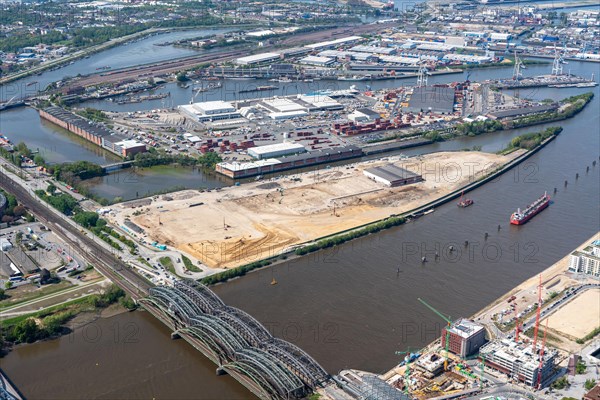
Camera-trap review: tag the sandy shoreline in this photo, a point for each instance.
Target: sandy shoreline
(553, 277)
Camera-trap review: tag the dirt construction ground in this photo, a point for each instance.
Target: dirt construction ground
(578, 317)
(241, 224)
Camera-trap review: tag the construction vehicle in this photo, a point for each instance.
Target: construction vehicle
(449, 321)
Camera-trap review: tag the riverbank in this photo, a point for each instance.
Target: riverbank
(60, 319)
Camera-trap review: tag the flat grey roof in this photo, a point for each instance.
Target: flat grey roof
(436, 99)
(95, 129)
(392, 173)
(524, 111)
(369, 112)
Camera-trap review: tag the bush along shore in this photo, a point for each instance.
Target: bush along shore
(50, 323)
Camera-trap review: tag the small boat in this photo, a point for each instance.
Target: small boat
(274, 282)
(429, 211)
(464, 202)
(31, 83)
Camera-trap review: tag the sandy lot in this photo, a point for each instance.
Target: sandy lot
(578, 317)
(237, 225)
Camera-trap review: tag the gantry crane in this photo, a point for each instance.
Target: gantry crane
(449, 321)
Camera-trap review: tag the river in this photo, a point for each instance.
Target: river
(355, 305)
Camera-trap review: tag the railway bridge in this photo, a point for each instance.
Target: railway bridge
(242, 347)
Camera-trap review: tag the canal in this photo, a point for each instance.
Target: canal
(355, 305)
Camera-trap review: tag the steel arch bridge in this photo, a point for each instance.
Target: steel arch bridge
(239, 344)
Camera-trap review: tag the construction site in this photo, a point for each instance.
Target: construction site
(265, 218)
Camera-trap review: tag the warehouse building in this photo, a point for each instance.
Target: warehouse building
(363, 115)
(392, 175)
(434, 99)
(465, 337)
(374, 49)
(332, 43)
(237, 170)
(276, 150)
(210, 111)
(257, 58)
(96, 133)
(317, 61)
(519, 361)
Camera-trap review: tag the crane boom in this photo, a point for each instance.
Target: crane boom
(447, 319)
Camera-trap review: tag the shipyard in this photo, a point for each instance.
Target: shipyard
(305, 200)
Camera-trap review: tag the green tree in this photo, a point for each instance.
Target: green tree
(589, 384)
(26, 331)
(86, 218)
(39, 160)
(182, 77)
(561, 383)
(581, 367)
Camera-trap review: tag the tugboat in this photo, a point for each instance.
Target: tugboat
(521, 217)
(464, 203)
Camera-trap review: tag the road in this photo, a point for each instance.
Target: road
(107, 263)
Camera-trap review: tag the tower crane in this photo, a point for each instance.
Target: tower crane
(407, 360)
(448, 320)
(482, 367)
(539, 377)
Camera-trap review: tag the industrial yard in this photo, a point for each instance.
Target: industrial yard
(256, 220)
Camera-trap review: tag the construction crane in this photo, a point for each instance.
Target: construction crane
(537, 315)
(539, 377)
(407, 359)
(482, 368)
(517, 328)
(448, 320)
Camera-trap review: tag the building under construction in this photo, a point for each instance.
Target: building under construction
(520, 361)
(465, 337)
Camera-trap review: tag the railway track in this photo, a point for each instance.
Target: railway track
(104, 261)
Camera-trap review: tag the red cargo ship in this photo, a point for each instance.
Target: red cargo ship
(521, 217)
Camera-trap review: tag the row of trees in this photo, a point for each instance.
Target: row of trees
(159, 157)
(339, 239)
(529, 141)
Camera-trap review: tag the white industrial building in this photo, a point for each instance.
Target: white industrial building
(319, 102)
(374, 49)
(316, 60)
(363, 115)
(464, 58)
(276, 150)
(519, 361)
(586, 261)
(257, 58)
(287, 115)
(336, 42)
(502, 37)
(399, 60)
(210, 111)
